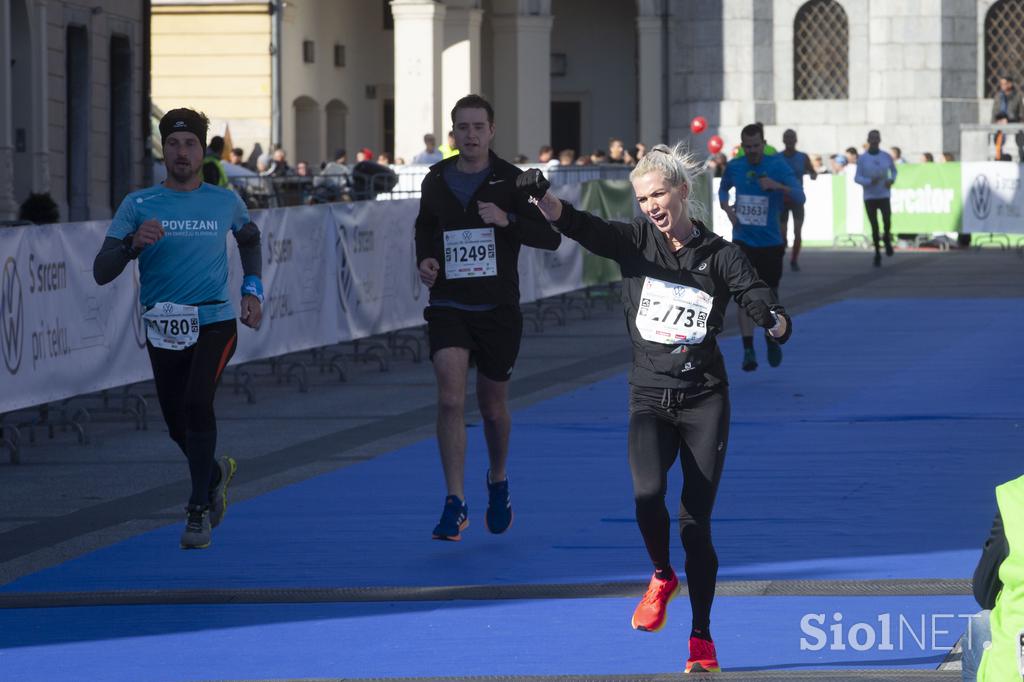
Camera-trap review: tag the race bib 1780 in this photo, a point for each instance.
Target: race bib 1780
(752, 209)
(470, 253)
(672, 313)
(172, 326)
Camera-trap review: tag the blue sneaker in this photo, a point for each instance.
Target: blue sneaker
(749, 360)
(499, 506)
(454, 520)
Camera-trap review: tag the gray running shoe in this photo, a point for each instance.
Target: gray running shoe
(197, 528)
(219, 495)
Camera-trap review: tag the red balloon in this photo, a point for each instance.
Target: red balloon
(715, 144)
(698, 125)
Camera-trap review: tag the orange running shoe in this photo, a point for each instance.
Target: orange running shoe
(650, 613)
(703, 658)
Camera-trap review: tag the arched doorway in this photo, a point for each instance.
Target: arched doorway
(22, 120)
(337, 115)
(307, 132)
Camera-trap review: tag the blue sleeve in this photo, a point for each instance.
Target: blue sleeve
(892, 169)
(796, 191)
(860, 178)
(125, 221)
(726, 185)
(241, 213)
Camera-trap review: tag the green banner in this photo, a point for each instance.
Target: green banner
(612, 200)
(925, 198)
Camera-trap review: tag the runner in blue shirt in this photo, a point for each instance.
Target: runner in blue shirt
(800, 164)
(178, 231)
(761, 184)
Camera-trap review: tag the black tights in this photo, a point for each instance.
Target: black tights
(873, 207)
(662, 426)
(186, 381)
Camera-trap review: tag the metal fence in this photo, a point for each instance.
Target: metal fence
(400, 182)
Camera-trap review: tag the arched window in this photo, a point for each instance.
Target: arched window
(1004, 52)
(821, 51)
(336, 112)
(307, 132)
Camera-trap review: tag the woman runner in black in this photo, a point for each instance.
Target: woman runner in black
(678, 278)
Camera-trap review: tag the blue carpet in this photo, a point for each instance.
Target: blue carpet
(580, 636)
(871, 453)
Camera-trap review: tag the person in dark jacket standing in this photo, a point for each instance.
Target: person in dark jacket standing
(469, 230)
(677, 278)
(1007, 103)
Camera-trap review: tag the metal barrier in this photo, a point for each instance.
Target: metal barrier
(402, 182)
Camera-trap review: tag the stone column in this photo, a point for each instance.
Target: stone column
(40, 142)
(651, 86)
(522, 97)
(460, 60)
(8, 208)
(419, 33)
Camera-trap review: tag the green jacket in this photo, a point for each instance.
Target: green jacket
(1002, 662)
(213, 171)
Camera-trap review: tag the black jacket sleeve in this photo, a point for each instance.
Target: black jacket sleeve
(609, 239)
(531, 227)
(426, 226)
(110, 261)
(986, 576)
(249, 249)
(746, 287)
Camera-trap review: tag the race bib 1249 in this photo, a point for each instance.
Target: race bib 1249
(470, 253)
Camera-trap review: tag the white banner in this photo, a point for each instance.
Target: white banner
(61, 334)
(992, 199)
(331, 273)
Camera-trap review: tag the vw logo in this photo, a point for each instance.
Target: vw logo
(168, 308)
(12, 316)
(981, 197)
(466, 235)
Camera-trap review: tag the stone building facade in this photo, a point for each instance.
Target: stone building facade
(71, 103)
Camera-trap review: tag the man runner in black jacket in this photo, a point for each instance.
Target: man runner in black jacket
(469, 230)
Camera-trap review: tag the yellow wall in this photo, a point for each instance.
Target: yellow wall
(216, 58)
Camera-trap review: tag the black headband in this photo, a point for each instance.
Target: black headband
(183, 121)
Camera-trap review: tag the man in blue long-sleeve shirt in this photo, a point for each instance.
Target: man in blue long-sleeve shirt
(761, 184)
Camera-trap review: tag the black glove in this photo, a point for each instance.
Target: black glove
(533, 183)
(760, 313)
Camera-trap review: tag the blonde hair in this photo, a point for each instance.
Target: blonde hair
(678, 166)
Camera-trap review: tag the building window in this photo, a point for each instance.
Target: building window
(559, 64)
(339, 55)
(821, 51)
(389, 17)
(308, 53)
(120, 119)
(1004, 53)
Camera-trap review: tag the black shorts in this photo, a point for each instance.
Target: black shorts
(798, 215)
(492, 336)
(767, 261)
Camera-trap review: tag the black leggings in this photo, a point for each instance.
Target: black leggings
(662, 426)
(186, 381)
(873, 206)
